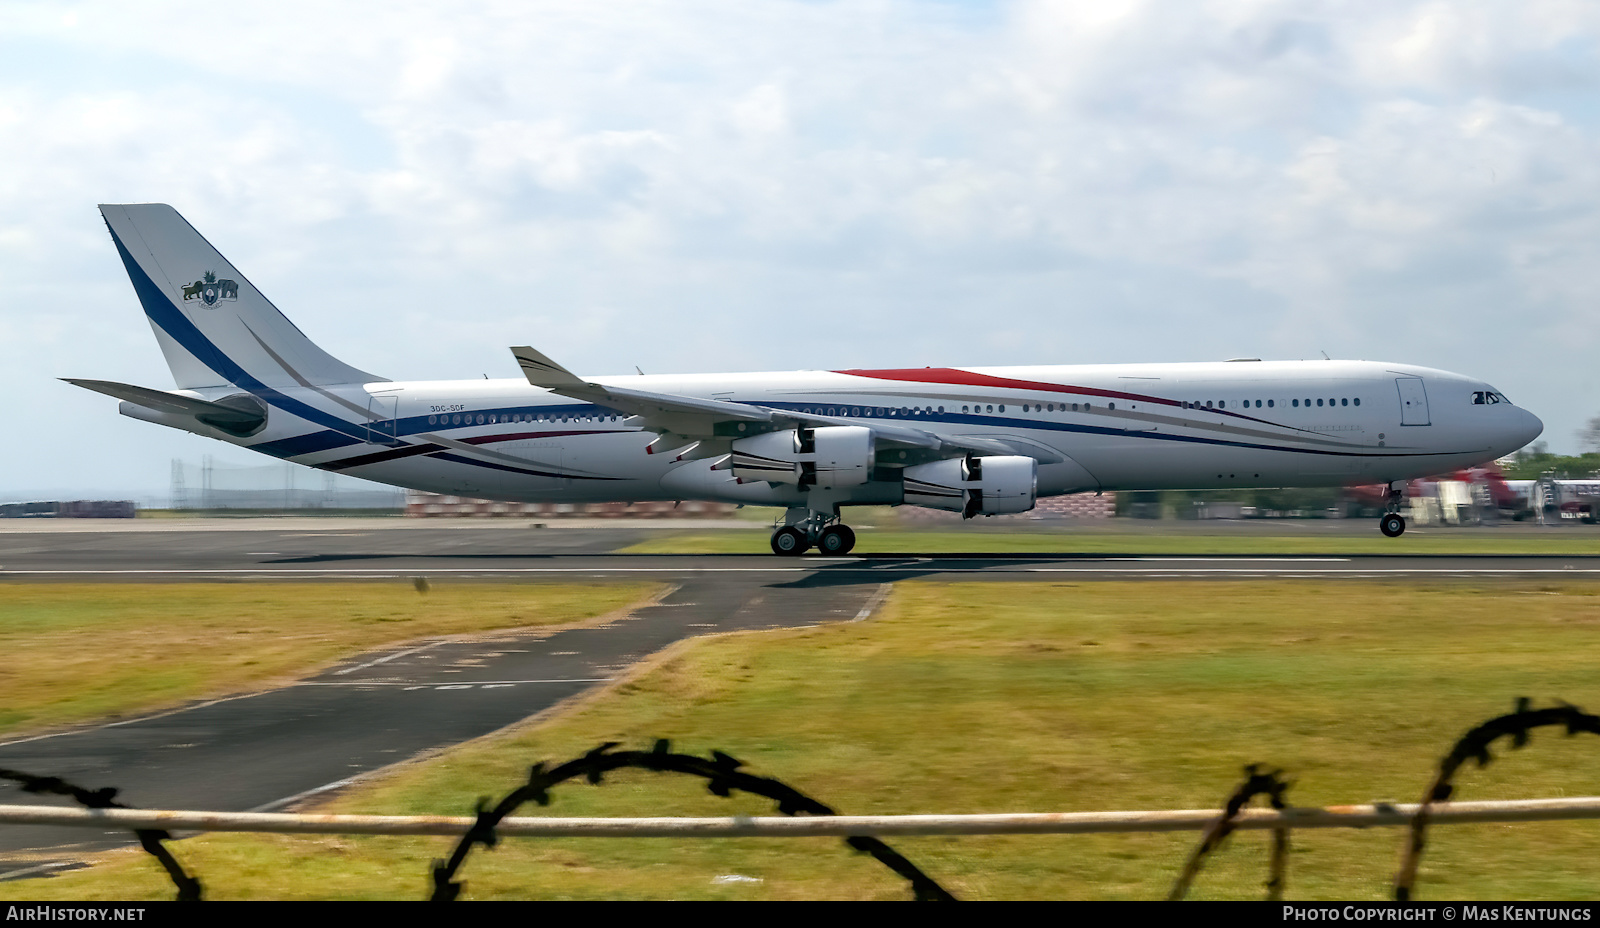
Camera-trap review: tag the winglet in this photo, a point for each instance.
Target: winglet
(543, 372)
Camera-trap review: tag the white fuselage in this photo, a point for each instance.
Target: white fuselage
(1095, 427)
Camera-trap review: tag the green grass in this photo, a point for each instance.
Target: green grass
(74, 652)
(974, 697)
(870, 542)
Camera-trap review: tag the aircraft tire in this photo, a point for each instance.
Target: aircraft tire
(789, 542)
(1393, 525)
(836, 539)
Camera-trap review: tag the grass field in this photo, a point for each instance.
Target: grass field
(73, 652)
(870, 542)
(1023, 697)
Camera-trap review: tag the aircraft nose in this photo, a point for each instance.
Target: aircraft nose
(1523, 430)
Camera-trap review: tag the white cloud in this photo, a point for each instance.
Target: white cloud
(713, 185)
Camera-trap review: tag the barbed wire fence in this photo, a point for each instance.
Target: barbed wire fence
(1255, 784)
(152, 840)
(723, 777)
(1474, 745)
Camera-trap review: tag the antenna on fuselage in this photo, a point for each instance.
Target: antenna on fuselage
(1325, 356)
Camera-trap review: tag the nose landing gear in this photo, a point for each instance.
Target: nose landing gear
(1393, 524)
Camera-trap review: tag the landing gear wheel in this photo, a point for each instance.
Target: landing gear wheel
(1392, 525)
(789, 541)
(836, 539)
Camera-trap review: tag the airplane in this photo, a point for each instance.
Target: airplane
(978, 441)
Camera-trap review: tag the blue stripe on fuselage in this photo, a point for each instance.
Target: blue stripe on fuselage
(309, 443)
(412, 425)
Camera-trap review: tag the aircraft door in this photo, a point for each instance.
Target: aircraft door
(381, 422)
(1413, 401)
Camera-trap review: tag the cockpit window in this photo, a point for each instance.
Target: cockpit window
(1487, 398)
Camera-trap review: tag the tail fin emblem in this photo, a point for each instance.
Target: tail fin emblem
(209, 289)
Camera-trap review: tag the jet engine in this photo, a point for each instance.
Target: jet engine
(824, 458)
(990, 485)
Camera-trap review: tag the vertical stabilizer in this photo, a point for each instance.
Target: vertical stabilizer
(213, 325)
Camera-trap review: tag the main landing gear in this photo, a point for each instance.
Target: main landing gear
(806, 530)
(1393, 524)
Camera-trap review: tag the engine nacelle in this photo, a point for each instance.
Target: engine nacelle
(990, 486)
(825, 458)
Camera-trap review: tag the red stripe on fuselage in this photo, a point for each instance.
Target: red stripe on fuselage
(954, 377)
(950, 376)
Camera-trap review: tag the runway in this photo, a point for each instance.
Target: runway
(269, 750)
(379, 549)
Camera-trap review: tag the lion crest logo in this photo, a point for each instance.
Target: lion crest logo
(209, 290)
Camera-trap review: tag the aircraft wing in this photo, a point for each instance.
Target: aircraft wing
(693, 419)
(686, 416)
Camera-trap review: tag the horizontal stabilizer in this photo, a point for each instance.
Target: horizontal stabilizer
(237, 415)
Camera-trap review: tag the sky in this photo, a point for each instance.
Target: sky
(707, 185)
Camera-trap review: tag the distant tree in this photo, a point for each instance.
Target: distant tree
(1590, 434)
(1536, 461)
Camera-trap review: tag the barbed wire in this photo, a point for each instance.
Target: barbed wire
(1255, 784)
(1474, 745)
(722, 775)
(151, 839)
